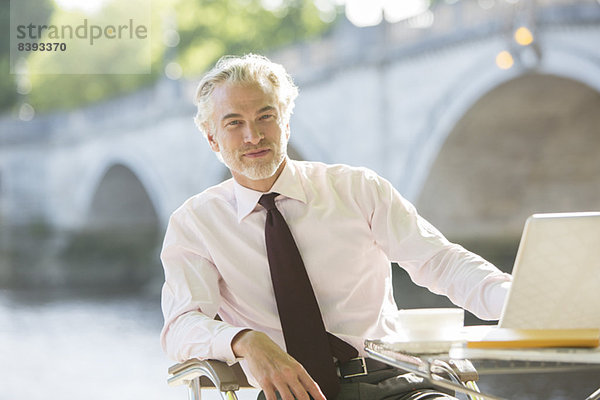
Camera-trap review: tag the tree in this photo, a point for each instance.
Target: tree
(207, 30)
(236, 26)
(41, 11)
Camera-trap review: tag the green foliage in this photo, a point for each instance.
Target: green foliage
(41, 11)
(208, 29)
(215, 27)
(8, 87)
(7, 84)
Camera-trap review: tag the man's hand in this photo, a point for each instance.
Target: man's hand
(274, 369)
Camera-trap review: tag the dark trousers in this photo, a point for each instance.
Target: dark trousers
(388, 384)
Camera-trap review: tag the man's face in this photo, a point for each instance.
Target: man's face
(248, 131)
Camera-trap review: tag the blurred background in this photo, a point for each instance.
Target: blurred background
(480, 112)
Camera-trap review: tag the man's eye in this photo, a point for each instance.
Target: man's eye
(266, 117)
(233, 123)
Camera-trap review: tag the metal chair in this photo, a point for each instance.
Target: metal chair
(197, 374)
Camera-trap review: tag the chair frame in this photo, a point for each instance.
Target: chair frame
(197, 374)
(203, 373)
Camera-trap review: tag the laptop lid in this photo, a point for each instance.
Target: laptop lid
(556, 275)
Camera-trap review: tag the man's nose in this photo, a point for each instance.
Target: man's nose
(252, 134)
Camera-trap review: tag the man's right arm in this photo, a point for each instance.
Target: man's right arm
(191, 297)
(196, 335)
(190, 333)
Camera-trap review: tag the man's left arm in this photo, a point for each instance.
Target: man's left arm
(466, 279)
(430, 259)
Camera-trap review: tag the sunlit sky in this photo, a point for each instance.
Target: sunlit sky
(368, 12)
(371, 12)
(359, 12)
(87, 6)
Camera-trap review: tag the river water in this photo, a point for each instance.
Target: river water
(98, 344)
(101, 346)
(93, 346)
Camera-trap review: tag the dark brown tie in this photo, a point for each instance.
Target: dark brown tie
(304, 332)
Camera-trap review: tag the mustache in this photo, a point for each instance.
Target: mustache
(261, 145)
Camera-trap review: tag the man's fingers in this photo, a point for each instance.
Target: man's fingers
(299, 391)
(269, 393)
(312, 387)
(295, 390)
(283, 385)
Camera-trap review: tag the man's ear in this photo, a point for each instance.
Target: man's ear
(212, 141)
(287, 131)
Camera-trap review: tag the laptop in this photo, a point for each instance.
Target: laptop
(556, 276)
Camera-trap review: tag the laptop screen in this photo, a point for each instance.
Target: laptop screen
(556, 275)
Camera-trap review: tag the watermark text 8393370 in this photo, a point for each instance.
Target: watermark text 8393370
(112, 39)
(44, 46)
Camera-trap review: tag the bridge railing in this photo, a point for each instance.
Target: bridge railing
(310, 62)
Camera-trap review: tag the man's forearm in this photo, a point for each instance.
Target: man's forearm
(467, 280)
(273, 368)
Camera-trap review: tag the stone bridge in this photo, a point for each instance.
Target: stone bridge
(422, 102)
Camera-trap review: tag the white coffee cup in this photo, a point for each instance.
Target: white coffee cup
(428, 324)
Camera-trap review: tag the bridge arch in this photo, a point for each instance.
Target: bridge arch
(475, 82)
(506, 159)
(133, 183)
(119, 239)
(121, 200)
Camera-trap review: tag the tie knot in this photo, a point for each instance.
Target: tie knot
(268, 201)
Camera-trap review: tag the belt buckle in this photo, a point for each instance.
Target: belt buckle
(363, 365)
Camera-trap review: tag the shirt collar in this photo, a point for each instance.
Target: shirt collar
(287, 184)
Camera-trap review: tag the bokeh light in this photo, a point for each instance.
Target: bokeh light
(523, 36)
(327, 10)
(26, 112)
(173, 71)
(504, 60)
(23, 84)
(364, 13)
(88, 6)
(171, 38)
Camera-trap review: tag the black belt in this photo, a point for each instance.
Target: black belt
(360, 366)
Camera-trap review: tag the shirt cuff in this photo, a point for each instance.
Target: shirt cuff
(503, 288)
(499, 294)
(222, 343)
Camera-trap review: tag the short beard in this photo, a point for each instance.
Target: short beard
(255, 170)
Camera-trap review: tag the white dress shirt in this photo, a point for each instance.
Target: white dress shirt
(348, 224)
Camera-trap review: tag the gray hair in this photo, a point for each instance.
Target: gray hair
(248, 69)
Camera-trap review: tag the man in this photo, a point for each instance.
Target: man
(220, 253)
